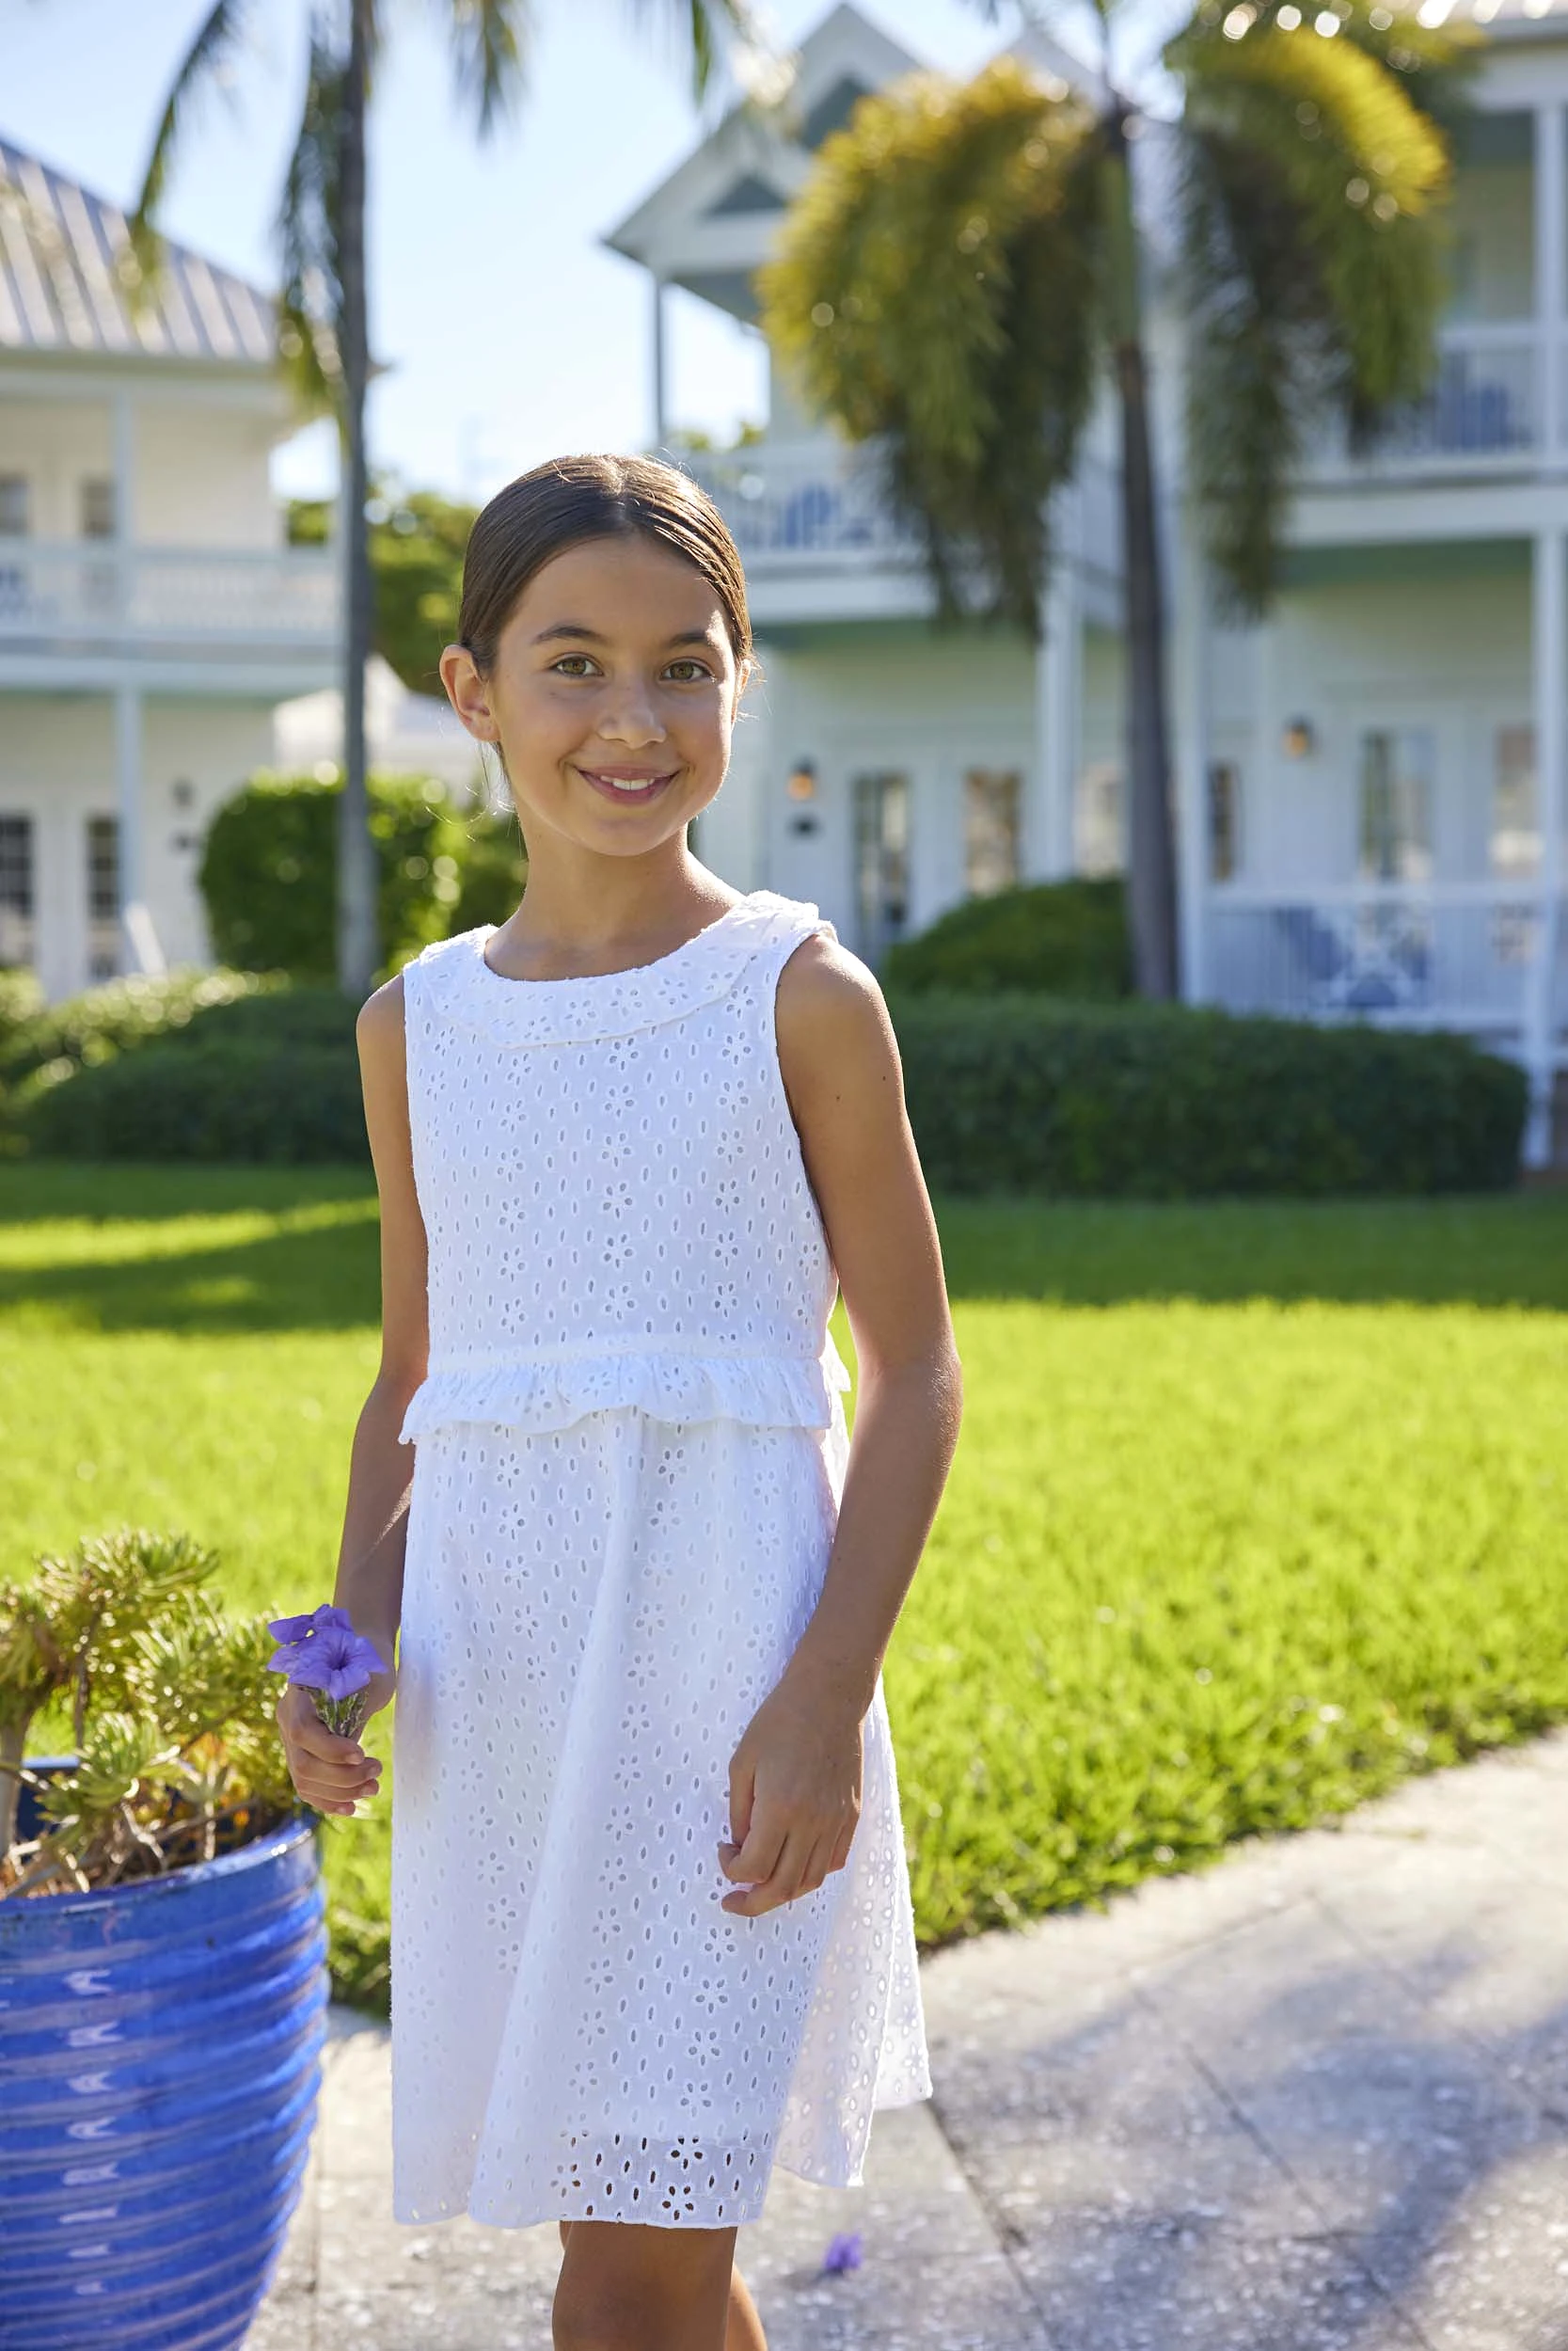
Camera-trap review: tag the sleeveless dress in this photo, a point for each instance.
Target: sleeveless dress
(628, 1456)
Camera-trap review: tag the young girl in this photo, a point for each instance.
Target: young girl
(651, 1924)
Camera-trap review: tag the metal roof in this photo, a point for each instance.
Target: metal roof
(66, 271)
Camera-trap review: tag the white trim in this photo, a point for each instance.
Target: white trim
(1549, 658)
(1551, 268)
(128, 809)
(1193, 732)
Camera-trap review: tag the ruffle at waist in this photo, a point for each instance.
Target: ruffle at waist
(540, 1391)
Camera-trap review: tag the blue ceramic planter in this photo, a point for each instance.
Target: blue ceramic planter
(159, 2063)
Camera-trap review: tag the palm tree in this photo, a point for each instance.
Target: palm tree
(967, 263)
(322, 330)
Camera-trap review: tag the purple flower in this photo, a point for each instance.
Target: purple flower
(292, 1628)
(842, 2254)
(333, 1658)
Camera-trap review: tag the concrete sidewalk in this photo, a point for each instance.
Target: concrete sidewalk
(1316, 2096)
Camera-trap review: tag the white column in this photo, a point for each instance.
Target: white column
(1549, 598)
(660, 367)
(1192, 734)
(123, 459)
(1058, 700)
(1551, 272)
(128, 800)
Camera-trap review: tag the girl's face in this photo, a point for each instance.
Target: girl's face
(612, 696)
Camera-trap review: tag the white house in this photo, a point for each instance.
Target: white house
(1370, 786)
(151, 614)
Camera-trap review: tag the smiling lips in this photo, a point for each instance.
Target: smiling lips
(633, 785)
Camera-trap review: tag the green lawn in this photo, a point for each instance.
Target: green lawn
(1255, 1509)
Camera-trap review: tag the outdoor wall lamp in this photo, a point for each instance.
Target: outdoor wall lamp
(801, 788)
(1300, 738)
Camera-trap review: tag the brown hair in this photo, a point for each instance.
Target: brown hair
(572, 499)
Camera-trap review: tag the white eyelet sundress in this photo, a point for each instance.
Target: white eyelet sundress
(628, 1456)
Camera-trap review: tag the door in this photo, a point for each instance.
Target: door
(881, 800)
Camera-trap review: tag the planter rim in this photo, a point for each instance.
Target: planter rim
(299, 1823)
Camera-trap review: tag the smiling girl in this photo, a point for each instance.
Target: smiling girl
(651, 1923)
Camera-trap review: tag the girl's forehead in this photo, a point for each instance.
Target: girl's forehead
(627, 585)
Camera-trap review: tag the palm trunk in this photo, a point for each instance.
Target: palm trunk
(1150, 830)
(358, 942)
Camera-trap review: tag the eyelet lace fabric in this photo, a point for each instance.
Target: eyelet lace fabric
(629, 1452)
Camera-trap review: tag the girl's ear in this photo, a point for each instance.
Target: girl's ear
(469, 693)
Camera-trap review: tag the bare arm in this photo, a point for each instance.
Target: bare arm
(326, 1770)
(795, 1781)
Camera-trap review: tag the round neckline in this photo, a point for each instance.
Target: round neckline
(625, 971)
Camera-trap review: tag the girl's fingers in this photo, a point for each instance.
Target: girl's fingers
(757, 1857)
(779, 1886)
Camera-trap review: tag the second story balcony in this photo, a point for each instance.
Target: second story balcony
(65, 598)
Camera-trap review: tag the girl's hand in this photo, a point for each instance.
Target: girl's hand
(329, 1771)
(795, 1797)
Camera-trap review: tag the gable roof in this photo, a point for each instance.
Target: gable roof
(65, 280)
(712, 220)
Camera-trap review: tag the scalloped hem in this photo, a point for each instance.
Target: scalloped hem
(537, 1396)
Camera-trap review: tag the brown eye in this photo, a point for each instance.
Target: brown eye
(695, 671)
(561, 669)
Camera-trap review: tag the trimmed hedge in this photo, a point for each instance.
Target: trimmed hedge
(1018, 1094)
(1007, 1094)
(1054, 938)
(118, 1016)
(270, 1077)
(269, 870)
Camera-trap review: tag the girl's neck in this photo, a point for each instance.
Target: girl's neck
(582, 916)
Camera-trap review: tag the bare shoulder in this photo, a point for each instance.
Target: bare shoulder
(379, 1025)
(831, 1020)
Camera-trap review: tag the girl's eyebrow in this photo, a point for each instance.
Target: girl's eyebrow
(591, 636)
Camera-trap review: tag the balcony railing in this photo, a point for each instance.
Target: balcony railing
(1486, 407)
(90, 592)
(1454, 954)
(798, 509)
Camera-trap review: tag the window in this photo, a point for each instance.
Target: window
(15, 504)
(103, 896)
(1395, 842)
(881, 860)
(991, 802)
(1224, 820)
(1515, 844)
(1491, 218)
(16, 889)
(1096, 819)
(98, 507)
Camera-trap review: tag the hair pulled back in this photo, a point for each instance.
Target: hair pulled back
(570, 500)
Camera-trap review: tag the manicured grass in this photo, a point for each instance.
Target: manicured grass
(1257, 1508)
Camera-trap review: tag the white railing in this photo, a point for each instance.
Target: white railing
(1448, 955)
(797, 508)
(1486, 407)
(87, 592)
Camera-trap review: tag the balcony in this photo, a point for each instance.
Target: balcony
(797, 508)
(1459, 955)
(86, 595)
(1488, 410)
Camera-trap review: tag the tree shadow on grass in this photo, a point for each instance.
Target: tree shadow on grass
(321, 1277)
(1508, 1250)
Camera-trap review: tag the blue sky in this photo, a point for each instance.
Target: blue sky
(510, 333)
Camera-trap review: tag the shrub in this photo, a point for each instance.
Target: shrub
(116, 1017)
(20, 1001)
(269, 870)
(271, 1077)
(1022, 1094)
(1059, 938)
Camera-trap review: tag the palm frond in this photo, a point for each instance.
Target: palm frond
(935, 290)
(489, 43)
(1313, 194)
(312, 298)
(710, 29)
(217, 42)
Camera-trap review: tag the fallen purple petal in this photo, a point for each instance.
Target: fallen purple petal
(843, 2253)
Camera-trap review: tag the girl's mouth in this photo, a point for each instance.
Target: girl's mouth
(630, 787)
